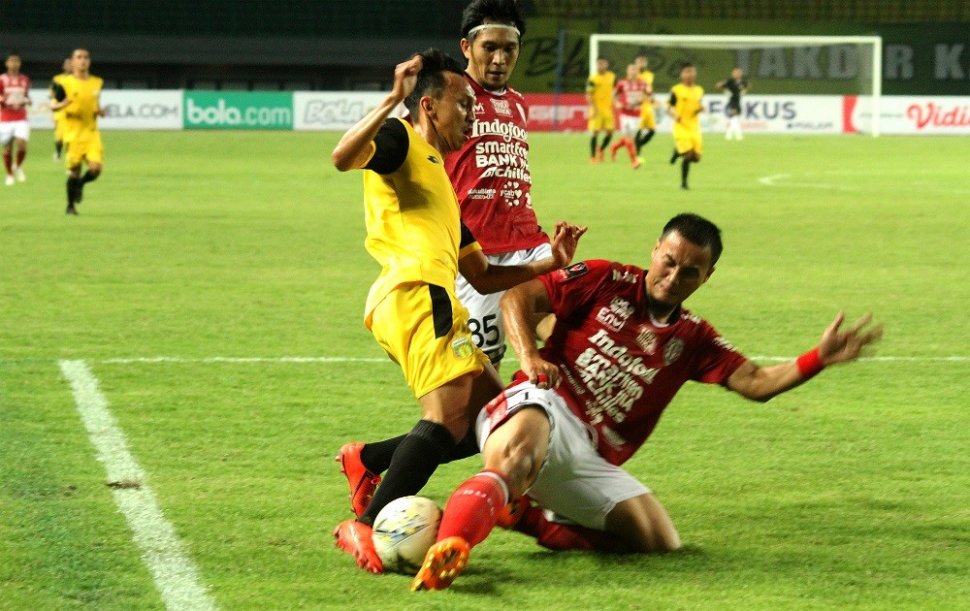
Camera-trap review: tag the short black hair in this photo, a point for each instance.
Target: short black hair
(494, 11)
(14, 54)
(697, 230)
(431, 78)
(686, 65)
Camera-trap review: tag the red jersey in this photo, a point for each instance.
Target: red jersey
(620, 370)
(630, 96)
(14, 91)
(491, 176)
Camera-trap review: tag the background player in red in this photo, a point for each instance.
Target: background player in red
(622, 347)
(631, 92)
(491, 172)
(14, 129)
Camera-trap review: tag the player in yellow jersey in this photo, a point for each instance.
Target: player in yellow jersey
(414, 231)
(599, 98)
(82, 107)
(685, 106)
(57, 93)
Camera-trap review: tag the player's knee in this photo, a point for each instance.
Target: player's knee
(644, 524)
(518, 448)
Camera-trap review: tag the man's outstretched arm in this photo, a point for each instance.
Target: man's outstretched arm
(836, 346)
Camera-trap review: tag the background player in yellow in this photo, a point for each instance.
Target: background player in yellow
(599, 97)
(684, 106)
(82, 107)
(57, 93)
(648, 120)
(415, 232)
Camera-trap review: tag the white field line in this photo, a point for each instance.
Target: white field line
(244, 359)
(175, 575)
(808, 182)
(355, 359)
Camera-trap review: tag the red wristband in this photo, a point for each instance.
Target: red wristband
(810, 363)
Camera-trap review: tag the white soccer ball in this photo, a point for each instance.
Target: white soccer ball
(403, 532)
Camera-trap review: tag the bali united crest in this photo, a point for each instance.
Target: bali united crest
(673, 350)
(647, 339)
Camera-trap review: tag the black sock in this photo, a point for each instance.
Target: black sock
(643, 137)
(673, 158)
(72, 184)
(414, 461)
(606, 141)
(89, 177)
(377, 456)
(684, 170)
(58, 147)
(464, 448)
(592, 146)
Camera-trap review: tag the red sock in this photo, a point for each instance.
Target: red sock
(630, 148)
(473, 506)
(21, 153)
(560, 537)
(8, 162)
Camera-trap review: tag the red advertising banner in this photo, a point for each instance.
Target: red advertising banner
(550, 112)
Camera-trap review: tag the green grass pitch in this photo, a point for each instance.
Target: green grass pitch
(850, 492)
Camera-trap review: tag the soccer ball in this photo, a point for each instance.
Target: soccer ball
(403, 532)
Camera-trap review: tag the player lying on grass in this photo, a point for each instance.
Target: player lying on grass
(621, 348)
(415, 233)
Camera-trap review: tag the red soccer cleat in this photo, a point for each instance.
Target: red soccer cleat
(444, 561)
(354, 538)
(510, 515)
(363, 482)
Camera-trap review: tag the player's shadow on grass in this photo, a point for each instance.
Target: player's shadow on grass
(558, 569)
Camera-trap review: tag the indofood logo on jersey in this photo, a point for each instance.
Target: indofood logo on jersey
(496, 127)
(238, 110)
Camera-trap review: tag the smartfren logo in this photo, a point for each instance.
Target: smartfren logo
(209, 110)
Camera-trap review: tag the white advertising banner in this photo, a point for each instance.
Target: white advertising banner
(141, 109)
(138, 109)
(793, 114)
(332, 110)
(912, 115)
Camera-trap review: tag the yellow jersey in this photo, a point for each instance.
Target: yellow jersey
(647, 77)
(687, 104)
(81, 115)
(600, 88)
(413, 219)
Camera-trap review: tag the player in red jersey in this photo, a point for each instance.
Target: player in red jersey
(14, 129)
(491, 172)
(630, 93)
(622, 347)
(491, 177)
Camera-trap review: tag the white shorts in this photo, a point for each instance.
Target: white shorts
(629, 124)
(13, 129)
(575, 481)
(484, 314)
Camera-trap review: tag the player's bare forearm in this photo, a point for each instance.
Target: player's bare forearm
(354, 148)
(764, 383)
(487, 278)
(520, 308)
(836, 346)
